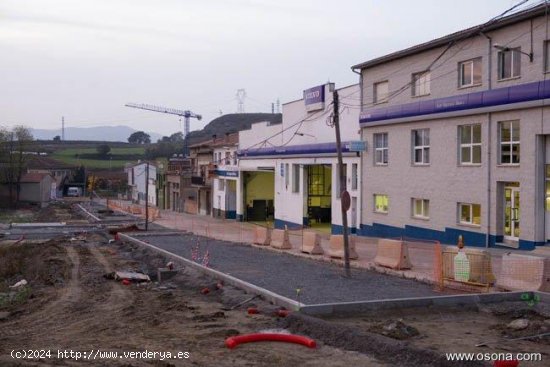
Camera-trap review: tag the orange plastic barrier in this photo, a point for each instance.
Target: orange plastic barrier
(312, 243)
(336, 247)
(524, 273)
(261, 236)
(279, 239)
(393, 254)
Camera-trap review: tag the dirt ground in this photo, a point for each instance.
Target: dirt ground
(69, 305)
(459, 330)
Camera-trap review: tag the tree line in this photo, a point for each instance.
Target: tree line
(14, 143)
(165, 147)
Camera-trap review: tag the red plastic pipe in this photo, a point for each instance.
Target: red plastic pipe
(233, 341)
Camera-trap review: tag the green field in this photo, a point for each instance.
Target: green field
(69, 156)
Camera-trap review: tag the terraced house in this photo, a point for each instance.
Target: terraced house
(458, 136)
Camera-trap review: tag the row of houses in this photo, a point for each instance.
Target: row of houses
(446, 138)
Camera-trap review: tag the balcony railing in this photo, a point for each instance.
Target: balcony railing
(198, 180)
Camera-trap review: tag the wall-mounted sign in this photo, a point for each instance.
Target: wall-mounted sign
(357, 146)
(314, 98)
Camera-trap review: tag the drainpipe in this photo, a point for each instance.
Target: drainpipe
(361, 156)
(489, 130)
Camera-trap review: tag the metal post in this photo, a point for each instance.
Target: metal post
(341, 177)
(147, 198)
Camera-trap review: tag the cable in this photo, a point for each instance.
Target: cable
(431, 67)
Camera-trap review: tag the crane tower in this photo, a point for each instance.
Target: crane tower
(186, 114)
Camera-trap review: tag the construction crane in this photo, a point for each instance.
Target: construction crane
(187, 115)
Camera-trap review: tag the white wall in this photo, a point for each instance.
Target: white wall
(139, 181)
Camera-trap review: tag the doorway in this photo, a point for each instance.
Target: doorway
(319, 199)
(512, 214)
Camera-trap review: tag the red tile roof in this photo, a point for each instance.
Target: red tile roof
(33, 177)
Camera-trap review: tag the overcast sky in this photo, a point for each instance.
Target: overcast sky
(84, 59)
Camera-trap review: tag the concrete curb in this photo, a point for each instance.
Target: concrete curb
(88, 213)
(158, 234)
(441, 301)
(228, 279)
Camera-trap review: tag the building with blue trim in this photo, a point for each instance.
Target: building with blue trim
(458, 136)
(288, 172)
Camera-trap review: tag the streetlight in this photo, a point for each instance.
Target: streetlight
(507, 48)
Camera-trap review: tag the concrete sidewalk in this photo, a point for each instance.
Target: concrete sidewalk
(421, 252)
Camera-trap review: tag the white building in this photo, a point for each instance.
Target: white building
(460, 135)
(137, 181)
(225, 172)
(288, 172)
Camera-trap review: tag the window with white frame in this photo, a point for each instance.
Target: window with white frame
(339, 187)
(509, 142)
(547, 55)
(381, 203)
(469, 72)
(295, 178)
(228, 158)
(469, 214)
(421, 84)
(354, 176)
(509, 63)
(380, 149)
(381, 91)
(421, 146)
(287, 175)
(469, 144)
(221, 184)
(420, 208)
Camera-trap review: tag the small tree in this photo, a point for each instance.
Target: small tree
(103, 150)
(57, 138)
(139, 137)
(13, 145)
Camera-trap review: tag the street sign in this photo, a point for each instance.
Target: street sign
(346, 200)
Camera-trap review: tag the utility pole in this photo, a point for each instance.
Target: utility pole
(62, 128)
(147, 197)
(342, 180)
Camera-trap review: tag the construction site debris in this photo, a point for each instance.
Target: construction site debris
(128, 275)
(518, 324)
(19, 284)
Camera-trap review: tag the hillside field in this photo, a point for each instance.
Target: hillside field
(119, 157)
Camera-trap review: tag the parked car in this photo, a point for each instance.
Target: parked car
(74, 191)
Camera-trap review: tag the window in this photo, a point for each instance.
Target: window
(421, 208)
(381, 203)
(509, 142)
(470, 144)
(234, 158)
(354, 174)
(421, 146)
(295, 178)
(509, 63)
(227, 158)
(469, 214)
(381, 92)
(469, 73)
(344, 180)
(546, 56)
(221, 184)
(287, 175)
(421, 84)
(380, 149)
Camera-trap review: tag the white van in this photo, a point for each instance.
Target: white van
(73, 191)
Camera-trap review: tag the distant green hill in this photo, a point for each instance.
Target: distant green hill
(231, 123)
